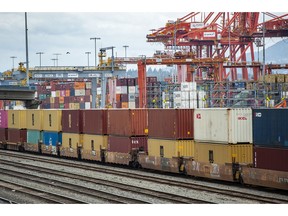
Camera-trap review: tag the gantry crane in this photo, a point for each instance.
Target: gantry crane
(223, 34)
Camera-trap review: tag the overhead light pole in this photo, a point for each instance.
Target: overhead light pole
(27, 56)
(57, 54)
(95, 38)
(88, 53)
(54, 59)
(13, 57)
(125, 47)
(40, 53)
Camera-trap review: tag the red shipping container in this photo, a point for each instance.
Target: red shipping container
(271, 158)
(95, 121)
(126, 144)
(171, 123)
(17, 135)
(127, 122)
(72, 121)
(3, 134)
(124, 97)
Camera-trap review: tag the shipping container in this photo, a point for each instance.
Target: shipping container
(70, 144)
(170, 148)
(17, 119)
(52, 138)
(3, 119)
(72, 121)
(17, 135)
(127, 122)
(122, 144)
(271, 158)
(34, 136)
(93, 146)
(270, 128)
(223, 153)
(52, 120)
(223, 125)
(95, 121)
(170, 123)
(34, 119)
(3, 134)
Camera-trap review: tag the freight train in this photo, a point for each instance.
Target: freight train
(240, 145)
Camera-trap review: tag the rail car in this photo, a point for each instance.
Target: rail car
(243, 145)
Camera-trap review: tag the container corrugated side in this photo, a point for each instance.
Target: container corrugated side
(95, 121)
(222, 125)
(34, 136)
(123, 144)
(170, 148)
(17, 119)
(3, 119)
(70, 144)
(222, 153)
(171, 123)
(127, 122)
(52, 138)
(271, 158)
(3, 134)
(52, 120)
(17, 135)
(97, 141)
(34, 119)
(72, 121)
(270, 128)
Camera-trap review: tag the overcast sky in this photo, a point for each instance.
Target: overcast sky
(70, 31)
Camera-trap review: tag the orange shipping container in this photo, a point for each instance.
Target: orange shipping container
(79, 85)
(124, 105)
(67, 93)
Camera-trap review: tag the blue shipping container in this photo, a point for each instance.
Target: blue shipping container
(52, 138)
(270, 127)
(33, 136)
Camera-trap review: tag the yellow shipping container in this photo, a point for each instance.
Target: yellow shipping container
(58, 93)
(52, 100)
(52, 120)
(223, 153)
(34, 119)
(17, 119)
(280, 78)
(286, 78)
(70, 144)
(94, 142)
(170, 148)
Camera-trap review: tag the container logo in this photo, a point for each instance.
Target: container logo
(258, 114)
(198, 116)
(242, 118)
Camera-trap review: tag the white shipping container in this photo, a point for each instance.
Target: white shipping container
(99, 91)
(201, 103)
(188, 86)
(87, 105)
(118, 89)
(185, 104)
(223, 125)
(132, 105)
(88, 85)
(79, 92)
(131, 97)
(53, 93)
(123, 89)
(132, 89)
(177, 94)
(184, 95)
(193, 95)
(193, 104)
(177, 104)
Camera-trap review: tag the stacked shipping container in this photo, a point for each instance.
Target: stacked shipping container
(127, 93)
(3, 126)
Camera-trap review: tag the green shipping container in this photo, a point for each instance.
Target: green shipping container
(33, 136)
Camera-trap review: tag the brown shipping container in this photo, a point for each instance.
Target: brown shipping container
(126, 144)
(271, 158)
(127, 122)
(72, 121)
(3, 134)
(95, 121)
(171, 123)
(17, 135)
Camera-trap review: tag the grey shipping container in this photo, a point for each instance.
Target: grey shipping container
(270, 127)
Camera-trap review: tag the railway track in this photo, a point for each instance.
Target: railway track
(143, 177)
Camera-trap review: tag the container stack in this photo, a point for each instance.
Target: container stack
(52, 131)
(72, 132)
(95, 139)
(3, 126)
(270, 139)
(127, 93)
(17, 128)
(76, 95)
(223, 135)
(170, 135)
(127, 129)
(34, 129)
(153, 92)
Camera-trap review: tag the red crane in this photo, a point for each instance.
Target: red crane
(223, 34)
